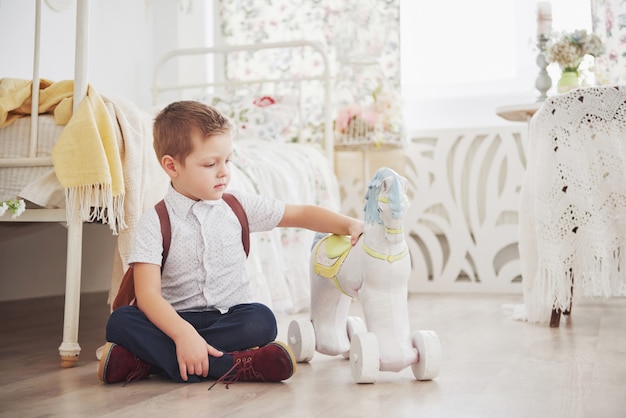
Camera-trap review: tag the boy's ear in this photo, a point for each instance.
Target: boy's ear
(169, 165)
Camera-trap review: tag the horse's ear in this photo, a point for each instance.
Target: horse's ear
(405, 183)
(386, 184)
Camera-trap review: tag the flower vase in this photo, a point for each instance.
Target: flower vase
(568, 81)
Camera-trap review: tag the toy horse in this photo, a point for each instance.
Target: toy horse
(375, 271)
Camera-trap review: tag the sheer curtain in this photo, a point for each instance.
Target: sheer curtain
(462, 59)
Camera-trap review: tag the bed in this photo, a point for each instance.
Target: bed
(292, 161)
(51, 131)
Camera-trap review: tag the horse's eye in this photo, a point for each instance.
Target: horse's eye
(380, 209)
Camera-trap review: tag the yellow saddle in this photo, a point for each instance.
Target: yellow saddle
(329, 254)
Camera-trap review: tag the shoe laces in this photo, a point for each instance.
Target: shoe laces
(244, 371)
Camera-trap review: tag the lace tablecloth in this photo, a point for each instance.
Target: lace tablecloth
(573, 201)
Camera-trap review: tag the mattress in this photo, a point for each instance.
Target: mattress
(17, 181)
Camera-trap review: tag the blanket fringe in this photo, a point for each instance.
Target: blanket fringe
(96, 203)
(594, 275)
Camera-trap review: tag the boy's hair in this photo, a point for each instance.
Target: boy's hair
(174, 125)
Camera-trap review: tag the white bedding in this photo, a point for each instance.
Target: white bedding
(14, 142)
(295, 173)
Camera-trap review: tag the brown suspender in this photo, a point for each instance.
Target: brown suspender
(126, 293)
(166, 230)
(235, 205)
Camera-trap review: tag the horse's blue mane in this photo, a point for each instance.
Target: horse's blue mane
(371, 197)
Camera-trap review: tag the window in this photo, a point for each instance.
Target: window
(461, 59)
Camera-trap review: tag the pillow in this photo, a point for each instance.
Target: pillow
(272, 118)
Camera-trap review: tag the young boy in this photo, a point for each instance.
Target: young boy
(194, 320)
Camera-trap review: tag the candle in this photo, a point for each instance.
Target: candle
(544, 19)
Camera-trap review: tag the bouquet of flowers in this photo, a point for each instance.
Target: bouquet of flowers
(568, 49)
(382, 116)
(15, 207)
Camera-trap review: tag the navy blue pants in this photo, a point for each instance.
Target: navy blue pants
(242, 327)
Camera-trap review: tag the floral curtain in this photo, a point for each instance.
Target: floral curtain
(347, 29)
(609, 22)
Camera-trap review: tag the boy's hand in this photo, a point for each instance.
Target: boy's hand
(356, 230)
(193, 354)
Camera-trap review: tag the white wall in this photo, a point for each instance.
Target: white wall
(33, 257)
(120, 45)
(126, 38)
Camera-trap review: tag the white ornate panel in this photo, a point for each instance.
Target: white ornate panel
(463, 222)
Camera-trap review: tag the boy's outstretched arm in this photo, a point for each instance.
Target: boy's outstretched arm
(317, 218)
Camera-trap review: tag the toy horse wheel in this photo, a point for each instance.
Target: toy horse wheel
(429, 355)
(355, 325)
(301, 339)
(364, 357)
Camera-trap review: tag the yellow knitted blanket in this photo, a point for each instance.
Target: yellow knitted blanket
(86, 156)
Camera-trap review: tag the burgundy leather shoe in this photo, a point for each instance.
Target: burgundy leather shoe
(120, 365)
(273, 362)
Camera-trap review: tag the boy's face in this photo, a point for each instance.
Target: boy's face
(206, 172)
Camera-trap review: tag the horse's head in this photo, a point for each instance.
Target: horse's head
(386, 203)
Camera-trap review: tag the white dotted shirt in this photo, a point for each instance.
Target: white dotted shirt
(206, 265)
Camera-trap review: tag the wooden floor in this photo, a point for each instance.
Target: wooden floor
(492, 367)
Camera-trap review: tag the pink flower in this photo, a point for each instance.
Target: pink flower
(264, 101)
(370, 116)
(366, 117)
(346, 115)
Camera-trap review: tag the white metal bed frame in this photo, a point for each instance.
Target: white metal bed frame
(323, 76)
(69, 350)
